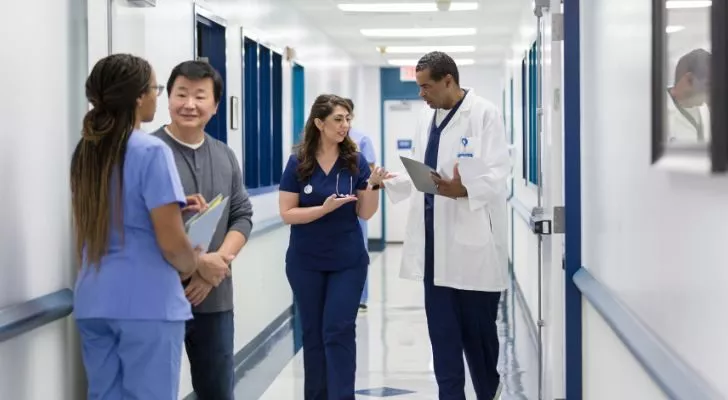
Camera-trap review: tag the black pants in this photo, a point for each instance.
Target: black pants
(209, 343)
(462, 320)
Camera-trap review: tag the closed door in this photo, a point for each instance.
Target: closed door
(400, 120)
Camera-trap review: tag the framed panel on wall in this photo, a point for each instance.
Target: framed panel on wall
(689, 40)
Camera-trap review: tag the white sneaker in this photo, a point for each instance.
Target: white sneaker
(498, 392)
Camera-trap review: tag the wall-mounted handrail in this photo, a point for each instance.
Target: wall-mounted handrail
(673, 375)
(520, 209)
(20, 318)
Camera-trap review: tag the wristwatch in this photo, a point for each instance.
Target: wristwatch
(375, 187)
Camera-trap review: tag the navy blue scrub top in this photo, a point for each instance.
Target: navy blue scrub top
(431, 155)
(335, 241)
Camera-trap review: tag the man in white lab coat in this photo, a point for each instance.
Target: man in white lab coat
(456, 241)
(688, 115)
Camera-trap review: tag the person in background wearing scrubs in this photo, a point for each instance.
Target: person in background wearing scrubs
(367, 149)
(688, 115)
(457, 241)
(326, 186)
(127, 210)
(209, 167)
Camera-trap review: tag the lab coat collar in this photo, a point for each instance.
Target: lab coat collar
(468, 101)
(463, 110)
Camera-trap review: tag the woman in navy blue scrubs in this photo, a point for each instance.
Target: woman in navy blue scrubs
(325, 187)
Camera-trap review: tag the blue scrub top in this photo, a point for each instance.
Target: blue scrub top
(333, 242)
(134, 280)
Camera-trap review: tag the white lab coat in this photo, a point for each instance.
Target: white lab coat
(680, 130)
(470, 233)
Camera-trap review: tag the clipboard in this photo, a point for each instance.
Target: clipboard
(201, 228)
(420, 174)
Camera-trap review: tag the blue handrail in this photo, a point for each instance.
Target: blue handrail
(673, 375)
(18, 319)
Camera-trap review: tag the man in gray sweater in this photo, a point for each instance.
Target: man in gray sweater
(208, 167)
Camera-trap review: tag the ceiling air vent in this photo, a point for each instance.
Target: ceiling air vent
(142, 3)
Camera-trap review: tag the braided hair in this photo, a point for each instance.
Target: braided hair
(113, 88)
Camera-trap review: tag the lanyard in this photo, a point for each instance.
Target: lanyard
(698, 125)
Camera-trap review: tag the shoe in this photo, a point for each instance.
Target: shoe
(498, 392)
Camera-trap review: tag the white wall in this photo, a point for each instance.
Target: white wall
(674, 278)
(610, 371)
(43, 75)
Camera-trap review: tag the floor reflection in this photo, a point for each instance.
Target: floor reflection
(394, 356)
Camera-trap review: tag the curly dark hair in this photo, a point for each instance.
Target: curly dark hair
(440, 66)
(306, 150)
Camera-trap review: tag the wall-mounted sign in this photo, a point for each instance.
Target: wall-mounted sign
(407, 74)
(404, 144)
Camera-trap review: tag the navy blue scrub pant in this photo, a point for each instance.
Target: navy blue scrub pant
(462, 320)
(328, 302)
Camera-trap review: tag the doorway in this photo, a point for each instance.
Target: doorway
(399, 134)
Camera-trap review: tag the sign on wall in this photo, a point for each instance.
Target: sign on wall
(407, 74)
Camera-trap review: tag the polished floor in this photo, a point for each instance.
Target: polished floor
(394, 357)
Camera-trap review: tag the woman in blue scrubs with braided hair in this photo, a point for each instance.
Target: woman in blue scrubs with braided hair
(326, 186)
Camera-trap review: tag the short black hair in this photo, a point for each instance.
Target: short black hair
(350, 103)
(195, 71)
(697, 62)
(440, 65)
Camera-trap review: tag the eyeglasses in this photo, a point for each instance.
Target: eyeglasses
(351, 186)
(159, 89)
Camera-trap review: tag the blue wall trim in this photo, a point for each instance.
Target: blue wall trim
(262, 190)
(258, 351)
(18, 319)
(265, 226)
(572, 198)
(677, 379)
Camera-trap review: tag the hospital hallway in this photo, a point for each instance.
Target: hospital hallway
(393, 350)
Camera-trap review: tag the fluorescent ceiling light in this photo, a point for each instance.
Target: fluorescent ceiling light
(419, 32)
(404, 7)
(424, 49)
(680, 4)
(674, 28)
(410, 63)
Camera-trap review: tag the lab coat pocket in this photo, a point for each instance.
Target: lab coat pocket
(474, 251)
(473, 228)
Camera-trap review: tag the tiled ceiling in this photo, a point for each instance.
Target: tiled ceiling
(496, 23)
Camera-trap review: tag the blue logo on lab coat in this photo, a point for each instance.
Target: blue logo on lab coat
(464, 152)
